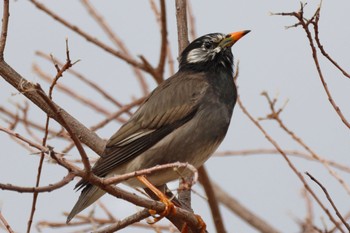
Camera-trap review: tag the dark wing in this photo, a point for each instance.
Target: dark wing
(169, 106)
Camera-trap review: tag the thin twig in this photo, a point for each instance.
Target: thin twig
(28, 89)
(84, 157)
(242, 212)
(320, 46)
(176, 165)
(164, 42)
(290, 164)
(88, 37)
(37, 189)
(330, 200)
(126, 222)
(275, 115)
(6, 224)
(81, 77)
(305, 25)
(117, 41)
(296, 153)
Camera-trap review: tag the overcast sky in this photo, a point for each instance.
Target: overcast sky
(272, 59)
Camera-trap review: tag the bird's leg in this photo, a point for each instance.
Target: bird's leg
(169, 206)
(202, 227)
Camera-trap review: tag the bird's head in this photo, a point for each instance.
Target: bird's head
(211, 51)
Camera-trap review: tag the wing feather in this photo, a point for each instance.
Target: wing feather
(169, 106)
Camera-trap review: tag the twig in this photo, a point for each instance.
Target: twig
(241, 211)
(30, 123)
(320, 46)
(73, 93)
(296, 153)
(85, 80)
(290, 164)
(28, 89)
(164, 42)
(117, 41)
(29, 142)
(168, 48)
(330, 200)
(4, 27)
(212, 200)
(305, 25)
(176, 165)
(88, 37)
(275, 115)
(77, 143)
(126, 222)
(40, 189)
(6, 224)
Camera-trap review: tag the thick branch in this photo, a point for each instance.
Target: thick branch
(85, 135)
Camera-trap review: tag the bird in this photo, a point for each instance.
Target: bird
(184, 119)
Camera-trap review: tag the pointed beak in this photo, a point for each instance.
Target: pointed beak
(232, 38)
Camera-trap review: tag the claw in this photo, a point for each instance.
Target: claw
(202, 227)
(169, 206)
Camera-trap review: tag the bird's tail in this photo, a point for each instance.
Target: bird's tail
(88, 196)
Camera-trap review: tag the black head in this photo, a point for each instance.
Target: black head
(210, 52)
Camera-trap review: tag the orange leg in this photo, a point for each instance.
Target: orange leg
(201, 225)
(169, 206)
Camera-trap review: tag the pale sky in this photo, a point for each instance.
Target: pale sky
(272, 59)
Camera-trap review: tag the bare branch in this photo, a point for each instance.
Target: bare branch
(117, 41)
(212, 200)
(39, 189)
(28, 89)
(6, 224)
(4, 27)
(330, 200)
(88, 37)
(305, 25)
(290, 164)
(181, 22)
(241, 211)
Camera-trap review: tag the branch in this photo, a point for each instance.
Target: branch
(330, 200)
(6, 224)
(88, 37)
(164, 42)
(290, 164)
(86, 136)
(41, 189)
(241, 211)
(212, 200)
(320, 46)
(117, 41)
(181, 22)
(125, 222)
(305, 25)
(4, 27)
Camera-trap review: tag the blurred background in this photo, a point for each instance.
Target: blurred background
(272, 59)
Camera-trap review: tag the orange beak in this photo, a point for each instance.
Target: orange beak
(232, 38)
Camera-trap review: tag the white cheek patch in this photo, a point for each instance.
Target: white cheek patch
(217, 49)
(201, 55)
(197, 55)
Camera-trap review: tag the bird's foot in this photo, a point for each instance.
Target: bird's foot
(169, 206)
(202, 227)
(168, 210)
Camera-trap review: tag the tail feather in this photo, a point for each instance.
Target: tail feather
(88, 196)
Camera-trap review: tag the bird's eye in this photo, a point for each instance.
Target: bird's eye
(207, 44)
